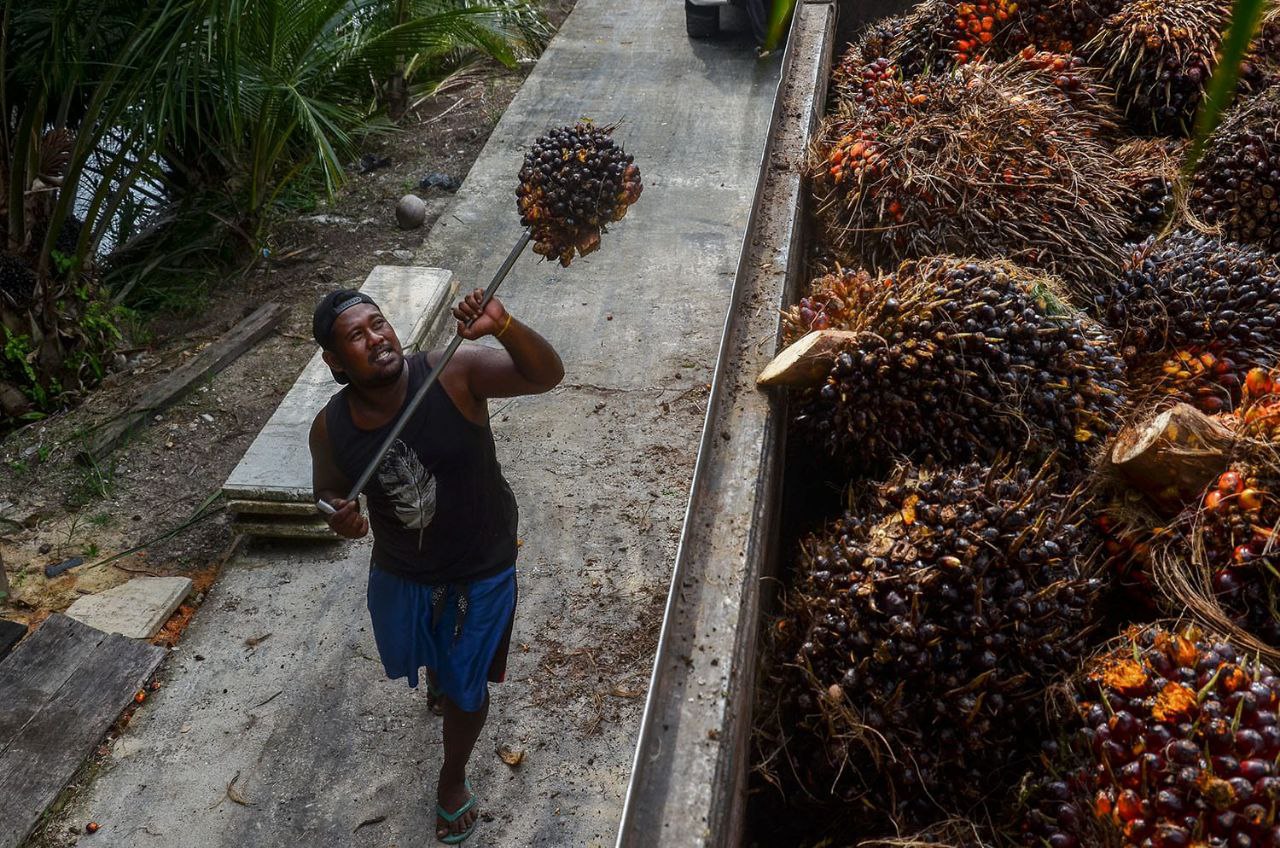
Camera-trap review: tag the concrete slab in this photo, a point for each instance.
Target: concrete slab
(601, 468)
(136, 609)
(277, 465)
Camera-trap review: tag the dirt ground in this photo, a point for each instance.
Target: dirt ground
(52, 507)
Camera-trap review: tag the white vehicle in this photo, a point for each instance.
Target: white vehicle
(702, 17)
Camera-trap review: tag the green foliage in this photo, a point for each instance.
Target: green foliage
(145, 145)
(277, 96)
(16, 358)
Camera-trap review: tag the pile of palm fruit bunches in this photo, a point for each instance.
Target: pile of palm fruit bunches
(1031, 596)
(575, 181)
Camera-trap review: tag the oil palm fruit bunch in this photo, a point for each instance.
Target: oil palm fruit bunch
(1194, 313)
(1233, 535)
(17, 281)
(922, 630)
(1178, 747)
(976, 26)
(859, 82)
(1236, 185)
(960, 359)
(1159, 56)
(1259, 410)
(992, 161)
(1064, 26)
(879, 41)
(574, 183)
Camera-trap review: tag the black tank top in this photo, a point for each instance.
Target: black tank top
(439, 507)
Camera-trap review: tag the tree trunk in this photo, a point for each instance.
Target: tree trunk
(1172, 457)
(397, 96)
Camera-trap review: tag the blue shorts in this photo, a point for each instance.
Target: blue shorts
(459, 632)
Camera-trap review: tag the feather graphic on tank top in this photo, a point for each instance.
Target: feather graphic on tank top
(409, 486)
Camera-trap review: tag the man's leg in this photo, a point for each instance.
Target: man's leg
(461, 730)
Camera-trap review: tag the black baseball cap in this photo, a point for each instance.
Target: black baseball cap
(326, 315)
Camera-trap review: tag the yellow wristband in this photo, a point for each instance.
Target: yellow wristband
(498, 334)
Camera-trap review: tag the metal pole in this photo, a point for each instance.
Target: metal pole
(416, 400)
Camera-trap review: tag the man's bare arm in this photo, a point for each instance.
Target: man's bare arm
(526, 365)
(328, 483)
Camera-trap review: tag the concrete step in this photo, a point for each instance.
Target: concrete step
(136, 609)
(277, 466)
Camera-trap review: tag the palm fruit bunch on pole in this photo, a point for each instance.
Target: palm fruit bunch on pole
(957, 359)
(1236, 185)
(1178, 747)
(1193, 314)
(913, 651)
(1159, 56)
(994, 161)
(574, 183)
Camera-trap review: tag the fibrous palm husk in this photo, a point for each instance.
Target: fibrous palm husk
(991, 161)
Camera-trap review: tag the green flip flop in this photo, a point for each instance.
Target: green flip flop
(450, 818)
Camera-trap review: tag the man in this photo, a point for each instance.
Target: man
(442, 585)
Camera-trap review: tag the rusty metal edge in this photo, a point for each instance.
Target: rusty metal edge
(665, 802)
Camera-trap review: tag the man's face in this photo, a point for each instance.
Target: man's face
(365, 347)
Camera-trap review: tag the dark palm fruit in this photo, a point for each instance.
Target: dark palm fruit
(1154, 169)
(957, 359)
(574, 183)
(17, 280)
(1012, 160)
(1237, 184)
(923, 628)
(1159, 56)
(1066, 25)
(1167, 753)
(1194, 314)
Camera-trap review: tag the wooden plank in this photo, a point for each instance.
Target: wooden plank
(209, 361)
(32, 675)
(39, 761)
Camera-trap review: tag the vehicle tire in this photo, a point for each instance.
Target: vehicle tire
(701, 21)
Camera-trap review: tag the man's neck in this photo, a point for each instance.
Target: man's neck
(372, 407)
